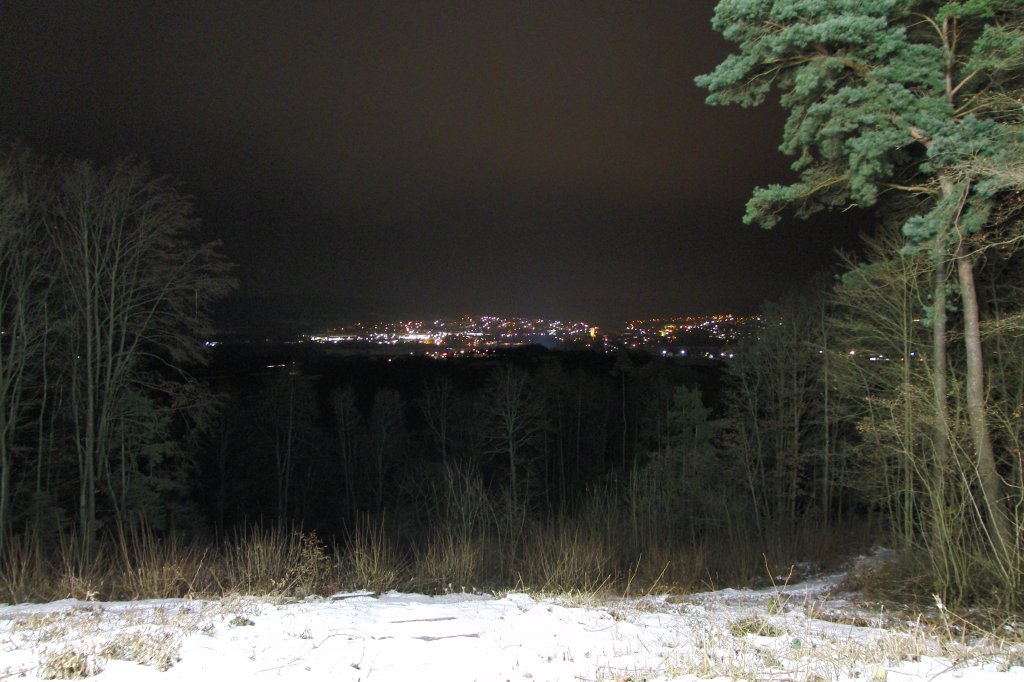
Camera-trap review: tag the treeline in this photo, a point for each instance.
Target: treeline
(852, 390)
(491, 451)
(821, 432)
(847, 414)
(557, 469)
(103, 301)
(649, 467)
(936, 405)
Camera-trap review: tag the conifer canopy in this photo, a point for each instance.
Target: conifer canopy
(883, 96)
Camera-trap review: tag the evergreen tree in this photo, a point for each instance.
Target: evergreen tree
(915, 96)
(690, 478)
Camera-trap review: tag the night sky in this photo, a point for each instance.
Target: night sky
(415, 159)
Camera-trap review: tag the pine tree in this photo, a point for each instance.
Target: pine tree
(890, 97)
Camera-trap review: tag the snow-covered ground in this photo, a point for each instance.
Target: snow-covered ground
(800, 632)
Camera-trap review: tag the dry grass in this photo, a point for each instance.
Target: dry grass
(155, 649)
(757, 644)
(69, 663)
(562, 558)
(773, 636)
(255, 561)
(78, 641)
(81, 572)
(165, 567)
(137, 563)
(754, 625)
(22, 571)
(583, 554)
(275, 562)
(449, 563)
(595, 552)
(372, 561)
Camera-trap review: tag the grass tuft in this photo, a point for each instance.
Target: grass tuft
(448, 563)
(23, 575)
(158, 650)
(151, 566)
(68, 664)
(371, 560)
(562, 558)
(754, 625)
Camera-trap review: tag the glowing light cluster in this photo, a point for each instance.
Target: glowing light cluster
(455, 335)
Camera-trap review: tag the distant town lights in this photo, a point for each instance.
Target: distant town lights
(708, 336)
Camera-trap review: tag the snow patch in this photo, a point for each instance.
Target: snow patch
(779, 634)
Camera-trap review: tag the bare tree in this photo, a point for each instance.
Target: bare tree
(135, 292)
(436, 404)
(772, 392)
(285, 415)
(23, 292)
(346, 425)
(387, 427)
(515, 420)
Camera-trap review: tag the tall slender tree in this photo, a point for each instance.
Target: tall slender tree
(889, 386)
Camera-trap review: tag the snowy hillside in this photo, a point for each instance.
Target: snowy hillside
(798, 633)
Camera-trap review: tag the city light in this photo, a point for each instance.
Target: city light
(708, 337)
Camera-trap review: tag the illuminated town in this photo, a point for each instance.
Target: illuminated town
(668, 331)
(709, 336)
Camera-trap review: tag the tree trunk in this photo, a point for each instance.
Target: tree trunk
(940, 392)
(512, 484)
(988, 476)
(826, 476)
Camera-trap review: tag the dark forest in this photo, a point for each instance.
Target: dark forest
(128, 441)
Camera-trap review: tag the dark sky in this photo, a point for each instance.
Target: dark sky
(428, 158)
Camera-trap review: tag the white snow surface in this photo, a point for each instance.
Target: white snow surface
(799, 632)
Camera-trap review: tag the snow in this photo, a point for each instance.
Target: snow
(797, 632)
